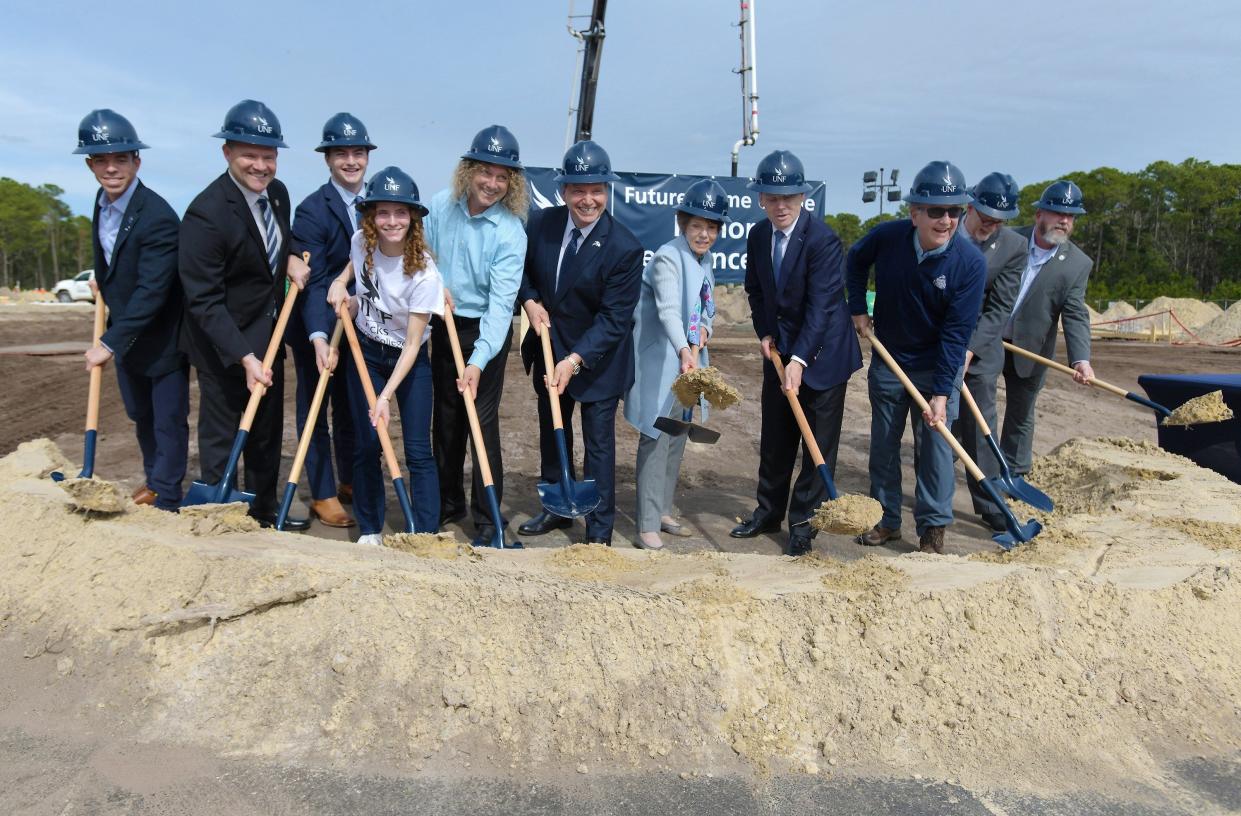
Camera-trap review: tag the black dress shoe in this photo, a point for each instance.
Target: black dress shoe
(799, 544)
(449, 516)
(543, 523)
(754, 526)
(291, 524)
(996, 521)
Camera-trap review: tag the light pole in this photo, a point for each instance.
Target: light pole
(873, 187)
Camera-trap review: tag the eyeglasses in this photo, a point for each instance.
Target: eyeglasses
(936, 213)
(988, 221)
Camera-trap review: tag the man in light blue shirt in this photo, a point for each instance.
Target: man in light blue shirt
(476, 229)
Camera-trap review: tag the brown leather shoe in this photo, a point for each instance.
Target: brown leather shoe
(139, 490)
(331, 513)
(344, 492)
(144, 496)
(878, 536)
(932, 540)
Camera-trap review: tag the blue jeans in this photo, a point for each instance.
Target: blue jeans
(933, 465)
(413, 402)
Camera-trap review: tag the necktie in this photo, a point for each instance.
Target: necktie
(357, 213)
(777, 257)
(269, 226)
(570, 252)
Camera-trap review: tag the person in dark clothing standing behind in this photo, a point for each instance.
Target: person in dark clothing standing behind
(929, 282)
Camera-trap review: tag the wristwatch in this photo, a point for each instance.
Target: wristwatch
(577, 364)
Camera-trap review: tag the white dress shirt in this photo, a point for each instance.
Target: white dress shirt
(569, 226)
(252, 198)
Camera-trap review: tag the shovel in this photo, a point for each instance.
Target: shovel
(92, 401)
(807, 435)
(1017, 532)
(1163, 411)
(224, 492)
(686, 424)
(566, 498)
(303, 444)
(1015, 486)
(398, 483)
(480, 449)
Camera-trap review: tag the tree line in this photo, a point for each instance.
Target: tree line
(41, 240)
(1168, 229)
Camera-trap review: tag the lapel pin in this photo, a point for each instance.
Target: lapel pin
(1061, 258)
(596, 244)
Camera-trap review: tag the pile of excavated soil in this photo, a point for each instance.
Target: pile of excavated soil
(431, 545)
(1118, 311)
(848, 514)
(1223, 328)
(732, 306)
(1200, 410)
(1116, 652)
(1192, 312)
(94, 495)
(705, 382)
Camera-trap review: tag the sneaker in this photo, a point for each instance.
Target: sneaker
(372, 539)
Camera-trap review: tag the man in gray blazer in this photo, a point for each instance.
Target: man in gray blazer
(993, 201)
(1053, 289)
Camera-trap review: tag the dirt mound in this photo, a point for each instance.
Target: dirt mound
(1223, 328)
(219, 519)
(275, 645)
(1192, 312)
(1118, 310)
(94, 495)
(432, 545)
(732, 307)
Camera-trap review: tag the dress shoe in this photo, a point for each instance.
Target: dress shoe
(344, 492)
(754, 526)
(139, 490)
(450, 516)
(673, 527)
(931, 540)
(877, 536)
(799, 544)
(485, 539)
(144, 495)
(649, 541)
(330, 512)
(543, 523)
(994, 521)
(291, 524)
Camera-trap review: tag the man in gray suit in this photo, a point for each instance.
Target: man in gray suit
(993, 201)
(1053, 289)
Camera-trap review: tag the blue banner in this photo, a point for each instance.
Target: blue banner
(646, 204)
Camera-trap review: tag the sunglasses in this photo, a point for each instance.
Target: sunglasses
(936, 213)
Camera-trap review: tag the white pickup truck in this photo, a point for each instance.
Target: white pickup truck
(76, 288)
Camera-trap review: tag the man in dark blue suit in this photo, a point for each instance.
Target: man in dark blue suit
(583, 273)
(134, 233)
(795, 282)
(323, 225)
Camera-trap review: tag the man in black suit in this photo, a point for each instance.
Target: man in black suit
(795, 282)
(583, 271)
(134, 235)
(234, 261)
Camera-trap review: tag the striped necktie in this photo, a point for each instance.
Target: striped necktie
(273, 236)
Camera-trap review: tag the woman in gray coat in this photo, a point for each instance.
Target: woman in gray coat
(674, 316)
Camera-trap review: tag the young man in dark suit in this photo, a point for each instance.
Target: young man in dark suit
(234, 258)
(134, 234)
(795, 283)
(583, 270)
(323, 225)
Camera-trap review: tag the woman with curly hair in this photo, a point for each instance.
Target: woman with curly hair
(476, 231)
(398, 289)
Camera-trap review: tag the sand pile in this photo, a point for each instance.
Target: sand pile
(443, 546)
(1049, 676)
(732, 306)
(1200, 410)
(1118, 310)
(208, 520)
(1192, 312)
(849, 514)
(705, 382)
(94, 495)
(1223, 328)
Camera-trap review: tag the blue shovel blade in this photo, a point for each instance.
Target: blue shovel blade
(1017, 533)
(202, 493)
(1022, 490)
(569, 501)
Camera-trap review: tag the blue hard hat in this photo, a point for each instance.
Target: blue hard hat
(706, 199)
(1063, 197)
(496, 144)
(395, 185)
(586, 162)
(344, 130)
(940, 182)
(780, 173)
(996, 196)
(253, 123)
(106, 131)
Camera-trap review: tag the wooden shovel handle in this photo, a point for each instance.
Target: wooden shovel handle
(807, 435)
(368, 387)
(549, 365)
(273, 348)
(316, 402)
(1052, 364)
(96, 372)
(917, 397)
(476, 430)
(978, 417)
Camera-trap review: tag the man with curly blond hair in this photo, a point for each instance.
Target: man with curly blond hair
(476, 230)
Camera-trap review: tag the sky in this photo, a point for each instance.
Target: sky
(1034, 90)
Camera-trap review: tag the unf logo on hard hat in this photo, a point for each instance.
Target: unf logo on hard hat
(348, 130)
(494, 146)
(948, 186)
(100, 133)
(262, 126)
(777, 178)
(1068, 195)
(581, 167)
(1001, 203)
(391, 185)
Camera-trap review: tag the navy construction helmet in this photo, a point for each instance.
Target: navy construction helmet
(996, 196)
(253, 123)
(1063, 197)
(106, 131)
(780, 173)
(344, 130)
(586, 162)
(940, 182)
(496, 144)
(395, 185)
(706, 199)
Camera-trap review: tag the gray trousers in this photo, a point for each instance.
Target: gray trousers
(1017, 437)
(982, 386)
(659, 467)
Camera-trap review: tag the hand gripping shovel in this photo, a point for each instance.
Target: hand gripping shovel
(480, 449)
(92, 401)
(224, 492)
(303, 444)
(1163, 411)
(565, 498)
(1017, 532)
(1015, 486)
(398, 483)
(686, 424)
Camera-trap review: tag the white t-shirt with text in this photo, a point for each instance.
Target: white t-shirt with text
(387, 296)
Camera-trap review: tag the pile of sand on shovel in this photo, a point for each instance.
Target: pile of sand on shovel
(1200, 410)
(94, 495)
(847, 515)
(705, 382)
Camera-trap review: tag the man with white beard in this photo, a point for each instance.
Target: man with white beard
(1053, 289)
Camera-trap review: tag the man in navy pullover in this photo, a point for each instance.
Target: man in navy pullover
(929, 286)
